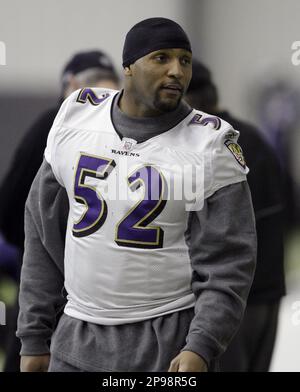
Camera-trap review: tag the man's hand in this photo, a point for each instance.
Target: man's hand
(37, 363)
(188, 361)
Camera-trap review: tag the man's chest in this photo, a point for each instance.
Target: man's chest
(136, 190)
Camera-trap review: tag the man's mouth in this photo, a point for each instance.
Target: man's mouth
(172, 88)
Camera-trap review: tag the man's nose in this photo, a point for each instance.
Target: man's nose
(175, 69)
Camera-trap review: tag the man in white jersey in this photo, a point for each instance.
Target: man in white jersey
(147, 288)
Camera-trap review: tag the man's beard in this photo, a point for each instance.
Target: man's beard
(166, 107)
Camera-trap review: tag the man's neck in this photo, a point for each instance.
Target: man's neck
(133, 107)
(143, 128)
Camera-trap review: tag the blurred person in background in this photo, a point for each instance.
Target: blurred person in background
(88, 68)
(251, 348)
(93, 68)
(278, 110)
(10, 261)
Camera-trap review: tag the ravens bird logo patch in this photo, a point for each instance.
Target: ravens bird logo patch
(236, 151)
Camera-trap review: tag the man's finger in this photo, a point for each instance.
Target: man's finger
(182, 368)
(173, 366)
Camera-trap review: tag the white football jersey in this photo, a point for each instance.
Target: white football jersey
(126, 258)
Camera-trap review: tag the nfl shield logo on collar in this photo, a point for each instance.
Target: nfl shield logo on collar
(128, 144)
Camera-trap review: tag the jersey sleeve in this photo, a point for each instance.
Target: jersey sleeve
(56, 130)
(227, 163)
(70, 114)
(58, 121)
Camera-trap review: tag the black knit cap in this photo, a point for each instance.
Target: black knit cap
(153, 34)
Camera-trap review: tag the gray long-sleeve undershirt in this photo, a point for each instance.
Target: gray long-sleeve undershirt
(222, 244)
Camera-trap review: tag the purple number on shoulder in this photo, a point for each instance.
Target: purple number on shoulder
(87, 94)
(199, 119)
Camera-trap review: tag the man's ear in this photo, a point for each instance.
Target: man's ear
(127, 71)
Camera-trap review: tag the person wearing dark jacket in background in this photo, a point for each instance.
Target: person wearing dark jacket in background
(91, 68)
(88, 68)
(251, 348)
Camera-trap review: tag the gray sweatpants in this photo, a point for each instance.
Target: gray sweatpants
(57, 365)
(143, 346)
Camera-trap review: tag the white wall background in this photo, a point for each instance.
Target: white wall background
(245, 43)
(41, 35)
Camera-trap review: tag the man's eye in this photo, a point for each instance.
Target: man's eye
(160, 57)
(186, 61)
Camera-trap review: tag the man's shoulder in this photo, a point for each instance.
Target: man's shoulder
(91, 96)
(88, 99)
(211, 121)
(83, 107)
(197, 134)
(206, 128)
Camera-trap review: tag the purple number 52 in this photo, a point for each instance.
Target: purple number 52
(133, 229)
